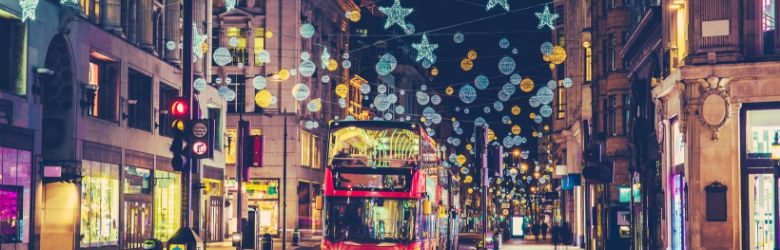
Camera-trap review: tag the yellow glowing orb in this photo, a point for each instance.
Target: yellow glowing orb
(516, 110)
(470, 190)
(204, 47)
(472, 54)
(354, 16)
(552, 66)
(461, 159)
(332, 65)
(532, 116)
(527, 85)
(546, 58)
(422, 119)
(284, 74)
(342, 90)
(453, 119)
(546, 127)
(449, 90)
(516, 129)
(558, 55)
(535, 134)
(469, 147)
(468, 179)
(269, 34)
(466, 64)
(491, 134)
(435, 71)
(263, 98)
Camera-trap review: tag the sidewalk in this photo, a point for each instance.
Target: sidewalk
(518, 244)
(306, 244)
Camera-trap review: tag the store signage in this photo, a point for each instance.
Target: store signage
(52, 171)
(177, 247)
(202, 138)
(505, 205)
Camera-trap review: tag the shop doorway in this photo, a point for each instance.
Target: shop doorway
(138, 220)
(58, 227)
(678, 211)
(759, 124)
(214, 219)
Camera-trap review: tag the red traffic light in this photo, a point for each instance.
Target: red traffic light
(180, 108)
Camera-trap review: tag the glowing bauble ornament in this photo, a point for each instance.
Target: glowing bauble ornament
(467, 94)
(558, 55)
(199, 84)
(506, 120)
(426, 63)
(538, 119)
(307, 67)
(515, 79)
(503, 43)
(342, 90)
(354, 15)
(545, 95)
(513, 172)
(464, 170)
(527, 85)
(453, 157)
(552, 84)
(305, 55)
(469, 146)
(461, 158)
(388, 116)
(466, 64)
(349, 118)
(395, 14)
(481, 82)
(332, 65)
(399, 109)
(486, 110)
(449, 90)
(506, 65)
(342, 102)
(233, 42)
(263, 98)
(466, 110)
(508, 142)
(509, 88)
(228, 81)
(392, 98)
(503, 96)
(381, 102)
(409, 29)
(428, 112)
(458, 37)
(546, 18)
(515, 51)
(382, 89)
(532, 115)
(435, 71)
(455, 124)
(263, 56)
(325, 78)
(222, 56)
(259, 82)
(567, 82)
(479, 121)
(457, 131)
(386, 64)
(314, 105)
(498, 106)
(516, 110)
(545, 111)
(546, 48)
(435, 99)
(534, 102)
(517, 140)
(170, 45)
(365, 88)
(300, 91)
(425, 49)
(471, 55)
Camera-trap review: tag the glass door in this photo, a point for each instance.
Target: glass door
(761, 211)
(678, 212)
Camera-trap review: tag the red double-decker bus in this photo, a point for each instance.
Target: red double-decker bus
(385, 188)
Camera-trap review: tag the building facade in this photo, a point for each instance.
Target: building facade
(105, 74)
(267, 49)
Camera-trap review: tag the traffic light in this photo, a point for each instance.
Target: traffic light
(179, 109)
(253, 151)
(593, 154)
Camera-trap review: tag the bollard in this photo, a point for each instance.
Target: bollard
(296, 237)
(266, 242)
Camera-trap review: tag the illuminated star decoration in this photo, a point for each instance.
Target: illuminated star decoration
(197, 41)
(546, 18)
(493, 3)
(28, 9)
(396, 14)
(425, 49)
(230, 5)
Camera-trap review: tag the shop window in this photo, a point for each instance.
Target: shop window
(91, 9)
(15, 168)
(10, 214)
(139, 105)
(612, 116)
(259, 42)
(99, 204)
(167, 94)
(103, 73)
(678, 33)
(316, 157)
(304, 202)
(678, 146)
(316, 215)
(263, 194)
(626, 108)
(306, 148)
(231, 145)
(588, 62)
(237, 83)
(768, 26)
(167, 204)
(561, 101)
(761, 127)
(12, 53)
(137, 180)
(216, 115)
(216, 32)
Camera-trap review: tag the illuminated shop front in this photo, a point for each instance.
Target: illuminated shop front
(759, 178)
(677, 184)
(137, 206)
(263, 195)
(15, 167)
(99, 204)
(213, 199)
(167, 204)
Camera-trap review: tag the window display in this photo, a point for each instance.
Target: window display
(15, 168)
(761, 127)
(10, 214)
(264, 195)
(99, 204)
(167, 204)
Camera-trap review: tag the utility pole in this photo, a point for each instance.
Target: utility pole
(284, 186)
(243, 126)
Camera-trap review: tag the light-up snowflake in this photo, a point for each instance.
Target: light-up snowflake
(197, 41)
(546, 18)
(396, 14)
(28, 9)
(230, 5)
(425, 49)
(492, 3)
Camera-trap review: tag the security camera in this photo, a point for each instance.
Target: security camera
(44, 71)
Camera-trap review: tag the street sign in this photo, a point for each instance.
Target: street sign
(202, 138)
(199, 129)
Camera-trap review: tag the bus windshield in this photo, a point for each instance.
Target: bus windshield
(375, 147)
(370, 219)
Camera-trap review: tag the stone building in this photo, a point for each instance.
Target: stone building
(716, 108)
(101, 177)
(266, 48)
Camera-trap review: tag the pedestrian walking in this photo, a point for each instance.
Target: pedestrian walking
(544, 228)
(535, 229)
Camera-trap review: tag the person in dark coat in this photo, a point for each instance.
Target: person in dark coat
(535, 229)
(544, 228)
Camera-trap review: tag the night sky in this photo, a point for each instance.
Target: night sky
(440, 20)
